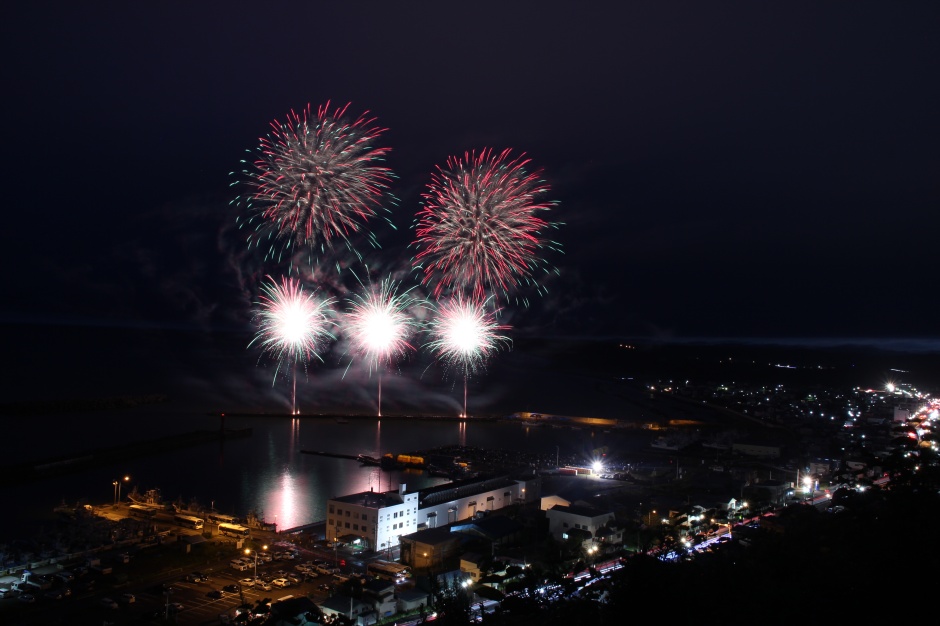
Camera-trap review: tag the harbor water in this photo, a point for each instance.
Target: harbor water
(265, 473)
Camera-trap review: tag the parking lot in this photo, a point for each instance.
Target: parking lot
(189, 588)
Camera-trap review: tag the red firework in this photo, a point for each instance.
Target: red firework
(318, 178)
(479, 228)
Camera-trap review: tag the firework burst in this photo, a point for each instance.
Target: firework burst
(316, 181)
(479, 229)
(464, 334)
(380, 326)
(293, 325)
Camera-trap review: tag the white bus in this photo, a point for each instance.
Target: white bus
(143, 512)
(221, 518)
(189, 521)
(389, 570)
(234, 530)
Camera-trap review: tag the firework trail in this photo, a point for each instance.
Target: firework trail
(293, 325)
(380, 325)
(316, 181)
(479, 229)
(464, 335)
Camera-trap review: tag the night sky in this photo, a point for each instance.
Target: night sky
(721, 169)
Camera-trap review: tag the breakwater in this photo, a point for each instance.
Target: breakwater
(345, 417)
(63, 464)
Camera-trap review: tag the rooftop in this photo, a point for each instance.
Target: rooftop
(462, 489)
(371, 499)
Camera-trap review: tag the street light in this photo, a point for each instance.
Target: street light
(649, 518)
(117, 489)
(591, 552)
(249, 551)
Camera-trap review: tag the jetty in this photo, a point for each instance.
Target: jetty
(335, 455)
(365, 459)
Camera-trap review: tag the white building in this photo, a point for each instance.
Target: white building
(464, 499)
(379, 520)
(564, 519)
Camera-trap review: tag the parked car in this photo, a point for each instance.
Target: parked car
(65, 576)
(265, 585)
(233, 588)
(27, 597)
(247, 582)
(294, 578)
(109, 603)
(281, 582)
(128, 598)
(215, 593)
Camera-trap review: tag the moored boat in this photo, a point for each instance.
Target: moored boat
(150, 498)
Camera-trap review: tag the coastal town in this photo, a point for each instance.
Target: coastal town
(480, 539)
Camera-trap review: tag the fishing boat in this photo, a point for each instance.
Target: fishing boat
(150, 498)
